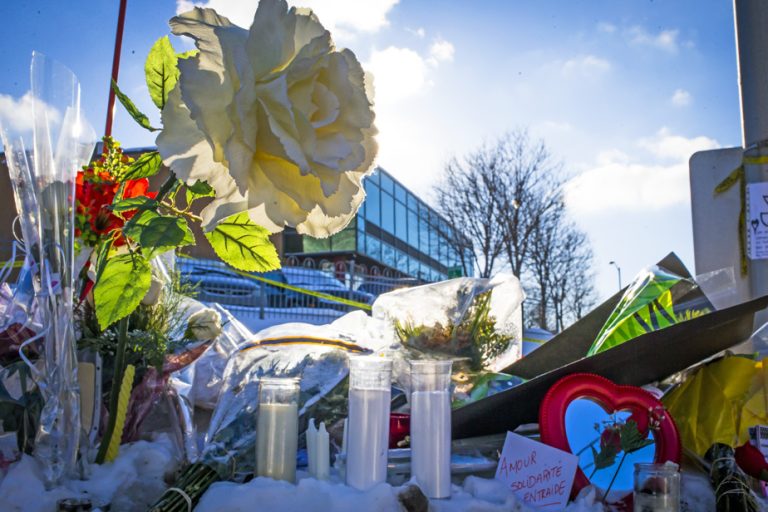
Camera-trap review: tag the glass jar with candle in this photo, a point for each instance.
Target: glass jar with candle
(657, 488)
(431, 426)
(277, 427)
(370, 391)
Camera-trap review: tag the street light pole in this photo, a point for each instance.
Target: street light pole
(618, 269)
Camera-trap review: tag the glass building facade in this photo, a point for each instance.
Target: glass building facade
(394, 229)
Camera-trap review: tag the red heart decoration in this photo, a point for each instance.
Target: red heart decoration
(612, 398)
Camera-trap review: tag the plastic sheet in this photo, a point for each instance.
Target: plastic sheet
(43, 165)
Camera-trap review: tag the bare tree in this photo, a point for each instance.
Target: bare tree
(468, 198)
(531, 189)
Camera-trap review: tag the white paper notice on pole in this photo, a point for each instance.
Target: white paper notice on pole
(538, 474)
(757, 220)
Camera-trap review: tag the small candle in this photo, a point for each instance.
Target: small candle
(277, 429)
(312, 448)
(322, 454)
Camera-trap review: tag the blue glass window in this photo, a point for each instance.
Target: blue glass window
(388, 255)
(373, 203)
(400, 193)
(387, 184)
(373, 247)
(387, 212)
(401, 221)
(413, 229)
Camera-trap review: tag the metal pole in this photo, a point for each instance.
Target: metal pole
(751, 18)
(115, 66)
(618, 270)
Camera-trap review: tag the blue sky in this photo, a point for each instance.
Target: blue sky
(622, 92)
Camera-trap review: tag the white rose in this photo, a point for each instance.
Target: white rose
(274, 118)
(204, 325)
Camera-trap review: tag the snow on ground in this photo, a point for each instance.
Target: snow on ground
(132, 483)
(311, 495)
(137, 478)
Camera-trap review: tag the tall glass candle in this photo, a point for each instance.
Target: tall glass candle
(431, 426)
(277, 434)
(368, 428)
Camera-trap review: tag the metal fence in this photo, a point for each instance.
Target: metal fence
(301, 291)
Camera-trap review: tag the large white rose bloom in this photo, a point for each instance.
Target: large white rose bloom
(274, 118)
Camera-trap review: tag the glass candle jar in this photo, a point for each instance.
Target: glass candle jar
(657, 488)
(370, 391)
(431, 426)
(277, 426)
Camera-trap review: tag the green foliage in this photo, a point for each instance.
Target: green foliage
(160, 71)
(475, 336)
(123, 282)
(239, 242)
(145, 166)
(631, 438)
(133, 203)
(604, 458)
(134, 112)
(199, 189)
(164, 233)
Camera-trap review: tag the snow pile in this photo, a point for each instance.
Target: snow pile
(309, 495)
(132, 483)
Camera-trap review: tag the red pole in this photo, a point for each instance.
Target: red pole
(115, 66)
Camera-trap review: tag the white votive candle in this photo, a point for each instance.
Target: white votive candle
(277, 429)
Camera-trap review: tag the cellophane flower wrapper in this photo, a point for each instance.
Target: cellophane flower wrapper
(658, 298)
(477, 322)
(45, 162)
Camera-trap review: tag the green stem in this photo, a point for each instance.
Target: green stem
(166, 188)
(615, 474)
(114, 392)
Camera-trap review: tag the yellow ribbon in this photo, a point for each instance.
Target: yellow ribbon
(738, 176)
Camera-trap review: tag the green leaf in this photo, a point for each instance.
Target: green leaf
(145, 166)
(133, 228)
(631, 438)
(134, 203)
(135, 113)
(239, 242)
(605, 458)
(188, 54)
(160, 71)
(124, 281)
(199, 189)
(164, 233)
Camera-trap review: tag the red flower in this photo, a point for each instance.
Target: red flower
(95, 193)
(611, 436)
(752, 461)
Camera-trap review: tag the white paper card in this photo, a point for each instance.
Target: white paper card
(537, 473)
(757, 220)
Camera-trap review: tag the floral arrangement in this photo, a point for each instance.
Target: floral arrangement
(262, 128)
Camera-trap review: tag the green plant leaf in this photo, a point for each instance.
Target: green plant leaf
(160, 71)
(605, 458)
(164, 233)
(188, 54)
(631, 438)
(239, 242)
(133, 228)
(124, 281)
(145, 166)
(199, 189)
(135, 113)
(134, 203)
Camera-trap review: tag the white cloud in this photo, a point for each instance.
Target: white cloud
(622, 183)
(586, 66)
(681, 98)
(441, 51)
(344, 18)
(16, 114)
(608, 28)
(666, 146)
(397, 73)
(665, 40)
(418, 32)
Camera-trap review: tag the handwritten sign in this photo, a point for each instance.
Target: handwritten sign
(537, 473)
(757, 220)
